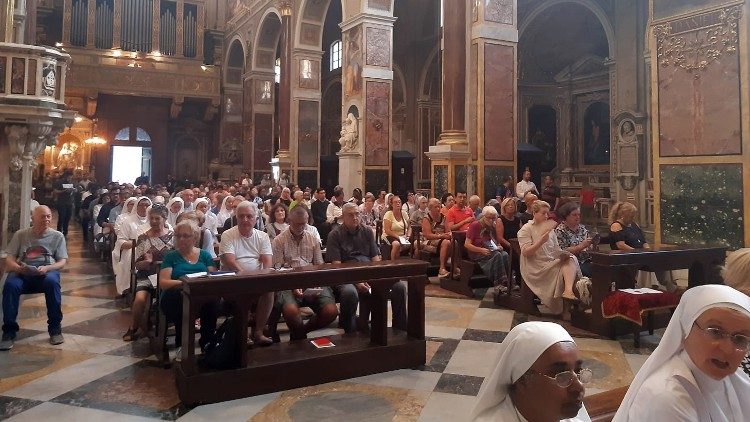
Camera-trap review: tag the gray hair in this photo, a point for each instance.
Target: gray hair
(299, 211)
(348, 206)
(189, 223)
(736, 270)
(252, 206)
(489, 209)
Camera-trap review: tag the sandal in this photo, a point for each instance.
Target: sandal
(131, 335)
(262, 341)
(443, 273)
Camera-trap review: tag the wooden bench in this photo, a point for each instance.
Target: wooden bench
(470, 275)
(283, 366)
(611, 270)
(602, 407)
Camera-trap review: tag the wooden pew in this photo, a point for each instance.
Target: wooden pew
(470, 275)
(603, 406)
(610, 270)
(296, 364)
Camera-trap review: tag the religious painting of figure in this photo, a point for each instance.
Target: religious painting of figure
(49, 80)
(596, 145)
(352, 75)
(543, 134)
(17, 79)
(69, 155)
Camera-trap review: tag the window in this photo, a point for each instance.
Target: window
(123, 134)
(335, 55)
(142, 136)
(277, 69)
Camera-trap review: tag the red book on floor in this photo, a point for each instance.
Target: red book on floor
(322, 342)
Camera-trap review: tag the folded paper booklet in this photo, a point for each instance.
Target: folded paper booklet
(641, 291)
(322, 342)
(196, 275)
(221, 273)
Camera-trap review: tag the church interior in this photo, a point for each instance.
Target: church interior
(589, 104)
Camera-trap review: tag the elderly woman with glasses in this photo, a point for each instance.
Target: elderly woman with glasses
(185, 259)
(539, 377)
(483, 244)
(693, 374)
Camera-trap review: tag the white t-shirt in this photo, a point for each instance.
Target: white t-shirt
(246, 250)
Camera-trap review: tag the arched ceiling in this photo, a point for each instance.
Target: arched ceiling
(558, 38)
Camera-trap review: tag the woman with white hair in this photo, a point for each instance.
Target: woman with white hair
(736, 273)
(539, 376)
(693, 374)
(175, 207)
(482, 243)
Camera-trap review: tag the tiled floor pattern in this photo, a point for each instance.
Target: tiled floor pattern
(94, 375)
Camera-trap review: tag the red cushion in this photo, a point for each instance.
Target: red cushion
(631, 307)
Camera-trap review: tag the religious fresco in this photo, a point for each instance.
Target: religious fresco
(309, 74)
(262, 141)
(377, 121)
(263, 91)
(699, 85)
(596, 134)
(500, 11)
(352, 72)
(69, 155)
(307, 133)
(230, 147)
(378, 47)
(499, 106)
(702, 205)
(667, 8)
(310, 34)
(542, 133)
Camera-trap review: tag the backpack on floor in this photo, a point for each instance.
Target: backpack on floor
(222, 351)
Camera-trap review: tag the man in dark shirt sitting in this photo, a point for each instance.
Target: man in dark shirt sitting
(351, 242)
(318, 209)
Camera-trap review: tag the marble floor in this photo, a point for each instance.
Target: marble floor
(94, 375)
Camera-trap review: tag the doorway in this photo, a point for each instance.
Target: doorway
(129, 162)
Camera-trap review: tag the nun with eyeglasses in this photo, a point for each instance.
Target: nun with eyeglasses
(694, 374)
(539, 376)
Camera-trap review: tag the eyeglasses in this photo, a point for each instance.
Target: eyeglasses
(740, 342)
(565, 379)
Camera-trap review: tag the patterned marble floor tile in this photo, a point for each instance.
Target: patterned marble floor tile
(68, 378)
(599, 345)
(455, 313)
(141, 389)
(73, 317)
(473, 358)
(459, 384)
(444, 332)
(23, 364)
(113, 324)
(10, 406)
(81, 282)
(635, 362)
(484, 335)
(101, 291)
(611, 370)
(238, 410)
(80, 302)
(136, 349)
(345, 401)
(77, 343)
(402, 378)
(441, 356)
(492, 319)
(64, 413)
(447, 407)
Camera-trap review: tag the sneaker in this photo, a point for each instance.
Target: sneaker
(6, 343)
(55, 339)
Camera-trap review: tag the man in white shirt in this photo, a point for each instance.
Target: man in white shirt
(188, 196)
(525, 186)
(333, 213)
(244, 248)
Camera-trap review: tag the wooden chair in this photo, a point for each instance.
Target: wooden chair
(158, 342)
(523, 299)
(421, 254)
(469, 274)
(603, 406)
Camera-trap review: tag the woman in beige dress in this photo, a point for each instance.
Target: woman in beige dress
(549, 271)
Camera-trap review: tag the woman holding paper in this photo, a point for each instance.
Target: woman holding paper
(549, 271)
(185, 259)
(150, 248)
(483, 244)
(395, 228)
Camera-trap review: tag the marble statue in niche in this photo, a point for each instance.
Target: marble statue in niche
(349, 133)
(596, 135)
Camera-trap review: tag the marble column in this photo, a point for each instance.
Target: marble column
(454, 74)
(285, 88)
(6, 16)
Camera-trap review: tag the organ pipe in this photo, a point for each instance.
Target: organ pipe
(190, 33)
(104, 23)
(168, 28)
(78, 23)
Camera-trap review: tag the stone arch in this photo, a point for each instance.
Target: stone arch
(235, 55)
(600, 14)
(432, 64)
(267, 40)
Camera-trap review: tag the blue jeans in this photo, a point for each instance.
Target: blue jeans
(19, 284)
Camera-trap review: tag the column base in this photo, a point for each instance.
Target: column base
(453, 137)
(449, 152)
(351, 171)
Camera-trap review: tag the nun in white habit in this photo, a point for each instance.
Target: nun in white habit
(175, 207)
(693, 374)
(538, 377)
(128, 226)
(224, 212)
